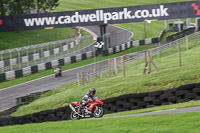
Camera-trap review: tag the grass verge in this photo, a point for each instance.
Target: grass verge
(165, 123)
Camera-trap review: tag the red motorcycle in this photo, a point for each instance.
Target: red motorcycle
(93, 108)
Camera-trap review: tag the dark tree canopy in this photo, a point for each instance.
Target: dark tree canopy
(14, 7)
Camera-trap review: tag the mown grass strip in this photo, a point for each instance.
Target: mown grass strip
(166, 123)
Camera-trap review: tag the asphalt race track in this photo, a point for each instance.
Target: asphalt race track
(8, 96)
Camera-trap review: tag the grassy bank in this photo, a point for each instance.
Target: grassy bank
(9, 40)
(165, 123)
(170, 75)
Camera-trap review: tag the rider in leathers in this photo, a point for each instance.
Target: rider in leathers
(89, 96)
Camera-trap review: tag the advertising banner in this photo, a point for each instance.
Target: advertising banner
(103, 16)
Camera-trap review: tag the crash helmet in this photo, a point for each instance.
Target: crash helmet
(92, 91)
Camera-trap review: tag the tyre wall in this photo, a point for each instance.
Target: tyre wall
(126, 102)
(181, 94)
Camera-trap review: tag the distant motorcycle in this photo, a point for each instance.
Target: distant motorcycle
(58, 72)
(92, 109)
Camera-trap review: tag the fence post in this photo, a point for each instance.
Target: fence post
(94, 74)
(123, 66)
(145, 62)
(78, 79)
(152, 62)
(27, 57)
(99, 73)
(179, 54)
(82, 78)
(118, 65)
(196, 39)
(115, 65)
(186, 42)
(109, 67)
(19, 58)
(149, 61)
(2, 70)
(159, 52)
(91, 79)
(11, 68)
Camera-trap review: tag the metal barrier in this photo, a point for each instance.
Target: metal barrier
(141, 54)
(18, 58)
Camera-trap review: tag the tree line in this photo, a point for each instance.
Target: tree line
(15, 7)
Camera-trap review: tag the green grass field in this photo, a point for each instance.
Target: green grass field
(9, 40)
(92, 4)
(169, 76)
(165, 123)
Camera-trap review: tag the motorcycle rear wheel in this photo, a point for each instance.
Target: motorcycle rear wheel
(98, 112)
(74, 116)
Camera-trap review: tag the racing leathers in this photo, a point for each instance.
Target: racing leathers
(84, 102)
(85, 99)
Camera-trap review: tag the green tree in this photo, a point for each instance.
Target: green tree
(21, 6)
(4, 7)
(14, 7)
(46, 5)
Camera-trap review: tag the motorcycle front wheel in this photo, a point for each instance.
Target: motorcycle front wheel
(74, 116)
(98, 112)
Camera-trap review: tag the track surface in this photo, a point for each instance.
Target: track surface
(170, 111)
(8, 96)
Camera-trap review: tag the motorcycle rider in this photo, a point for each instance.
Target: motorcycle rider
(59, 69)
(87, 97)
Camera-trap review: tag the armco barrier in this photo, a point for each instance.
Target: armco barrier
(73, 59)
(18, 73)
(67, 60)
(61, 62)
(155, 40)
(84, 56)
(2, 77)
(34, 69)
(141, 42)
(48, 65)
(105, 53)
(183, 93)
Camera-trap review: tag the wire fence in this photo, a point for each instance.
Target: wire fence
(17, 58)
(120, 65)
